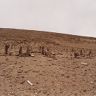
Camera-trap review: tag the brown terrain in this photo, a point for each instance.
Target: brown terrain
(35, 63)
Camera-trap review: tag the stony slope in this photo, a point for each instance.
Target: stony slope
(72, 72)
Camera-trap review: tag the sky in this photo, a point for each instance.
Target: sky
(76, 17)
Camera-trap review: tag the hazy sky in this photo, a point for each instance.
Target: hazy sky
(68, 16)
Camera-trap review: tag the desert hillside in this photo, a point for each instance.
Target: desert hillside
(54, 42)
(36, 63)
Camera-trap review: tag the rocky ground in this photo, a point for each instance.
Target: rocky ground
(72, 72)
(48, 77)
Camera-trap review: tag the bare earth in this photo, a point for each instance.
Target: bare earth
(67, 69)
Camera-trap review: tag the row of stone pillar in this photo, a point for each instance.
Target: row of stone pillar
(20, 52)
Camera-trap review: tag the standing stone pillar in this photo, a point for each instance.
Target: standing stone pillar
(7, 48)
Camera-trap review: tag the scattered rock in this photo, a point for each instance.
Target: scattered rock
(29, 82)
(83, 63)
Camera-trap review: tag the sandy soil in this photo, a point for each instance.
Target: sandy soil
(43, 75)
